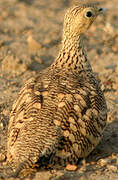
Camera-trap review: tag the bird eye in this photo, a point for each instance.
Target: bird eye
(89, 14)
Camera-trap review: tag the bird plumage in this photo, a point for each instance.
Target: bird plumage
(61, 113)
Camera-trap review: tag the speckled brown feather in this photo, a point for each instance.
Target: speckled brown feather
(60, 115)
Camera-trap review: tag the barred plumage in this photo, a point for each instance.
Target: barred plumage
(60, 115)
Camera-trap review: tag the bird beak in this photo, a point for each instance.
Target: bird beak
(102, 10)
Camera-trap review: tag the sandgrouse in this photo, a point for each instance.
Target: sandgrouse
(60, 115)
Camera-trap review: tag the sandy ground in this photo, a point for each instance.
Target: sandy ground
(30, 34)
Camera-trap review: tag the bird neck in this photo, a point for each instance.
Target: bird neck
(72, 55)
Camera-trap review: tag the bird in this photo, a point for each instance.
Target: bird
(60, 114)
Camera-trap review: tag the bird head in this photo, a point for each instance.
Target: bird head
(79, 18)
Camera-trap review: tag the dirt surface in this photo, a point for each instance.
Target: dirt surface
(30, 34)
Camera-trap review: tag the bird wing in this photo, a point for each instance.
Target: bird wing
(75, 113)
(28, 103)
(82, 121)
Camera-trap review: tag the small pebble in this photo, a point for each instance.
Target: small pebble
(70, 167)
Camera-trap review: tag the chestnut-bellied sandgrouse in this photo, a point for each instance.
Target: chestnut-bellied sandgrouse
(60, 115)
